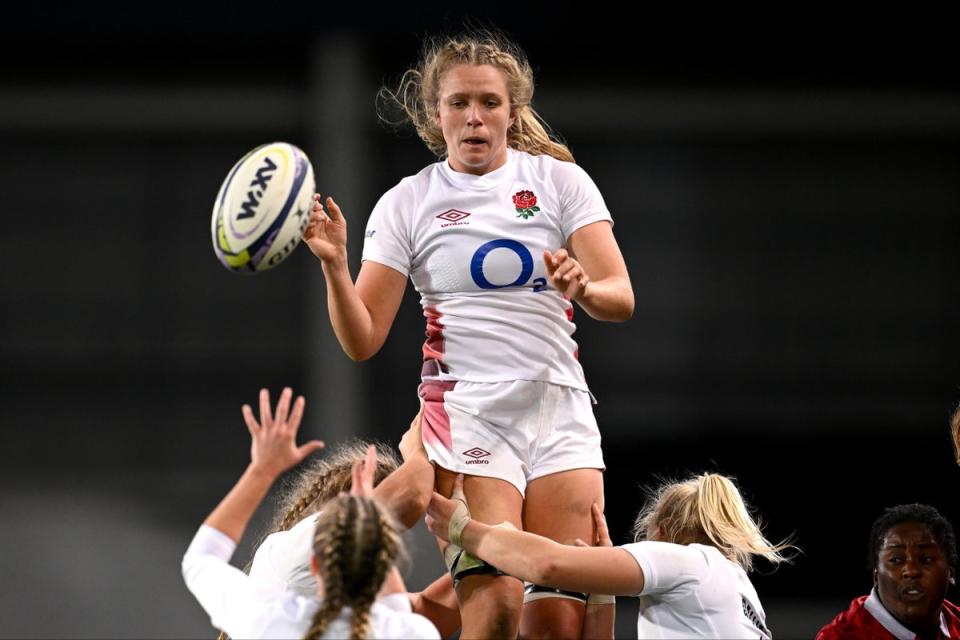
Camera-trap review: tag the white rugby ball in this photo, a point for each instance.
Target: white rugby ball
(262, 208)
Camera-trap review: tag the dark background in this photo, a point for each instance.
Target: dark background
(785, 190)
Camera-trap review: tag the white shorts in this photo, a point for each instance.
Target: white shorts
(515, 431)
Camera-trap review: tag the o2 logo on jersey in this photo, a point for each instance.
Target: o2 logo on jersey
(526, 265)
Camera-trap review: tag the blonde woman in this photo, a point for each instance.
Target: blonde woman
(356, 544)
(283, 557)
(696, 541)
(500, 238)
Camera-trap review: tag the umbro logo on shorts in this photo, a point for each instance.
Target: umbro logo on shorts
(454, 217)
(477, 454)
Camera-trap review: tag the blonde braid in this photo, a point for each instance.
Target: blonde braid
(381, 535)
(330, 542)
(295, 514)
(360, 625)
(322, 479)
(356, 544)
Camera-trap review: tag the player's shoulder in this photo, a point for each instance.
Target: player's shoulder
(692, 558)
(544, 162)
(412, 187)
(952, 613)
(850, 623)
(561, 173)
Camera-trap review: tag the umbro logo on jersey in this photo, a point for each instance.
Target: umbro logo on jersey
(453, 217)
(477, 454)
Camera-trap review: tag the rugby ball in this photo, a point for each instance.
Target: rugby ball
(262, 208)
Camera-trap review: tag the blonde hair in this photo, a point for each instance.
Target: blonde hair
(356, 543)
(324, 478)
(418, 92)
(321, 480)
(707, 509)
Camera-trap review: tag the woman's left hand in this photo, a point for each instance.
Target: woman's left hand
(565, 273)
(442, 511)
(602, 535)
(438, 516)
(274, 448)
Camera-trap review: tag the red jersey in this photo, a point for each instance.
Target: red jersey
(867, 618)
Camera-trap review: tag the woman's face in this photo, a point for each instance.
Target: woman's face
(474, 114)
(912, 574)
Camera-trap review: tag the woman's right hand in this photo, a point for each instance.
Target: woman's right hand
(273, 447)
(447, 517)
(326, 235)
(602, 535)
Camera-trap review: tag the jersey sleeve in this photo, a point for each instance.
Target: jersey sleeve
(580, 199)
(233, 601)
(666, 565)
(388, 237)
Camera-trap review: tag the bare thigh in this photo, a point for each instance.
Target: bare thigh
(489, 605)
(558, 506)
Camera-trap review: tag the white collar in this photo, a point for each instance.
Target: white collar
(470, 182)
(875, 608)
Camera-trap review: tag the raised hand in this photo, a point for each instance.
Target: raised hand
(274, 448)
(326, 235)
(565, 273)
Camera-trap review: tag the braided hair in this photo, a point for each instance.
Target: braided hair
(321, 480)
(356, 543)
(324, 478)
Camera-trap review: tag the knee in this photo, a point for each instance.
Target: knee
(491, 607)
(552, 618)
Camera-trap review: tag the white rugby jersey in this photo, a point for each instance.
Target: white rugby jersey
(693, 591)
(283, 558)
(473, 247)
(244, 607)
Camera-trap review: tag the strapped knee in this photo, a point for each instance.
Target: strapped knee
(462, 564)
(532, 592)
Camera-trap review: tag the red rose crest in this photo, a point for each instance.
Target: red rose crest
(526, 204)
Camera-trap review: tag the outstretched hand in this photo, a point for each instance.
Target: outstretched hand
(326, 235)
(274, 448)
(565, 273)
